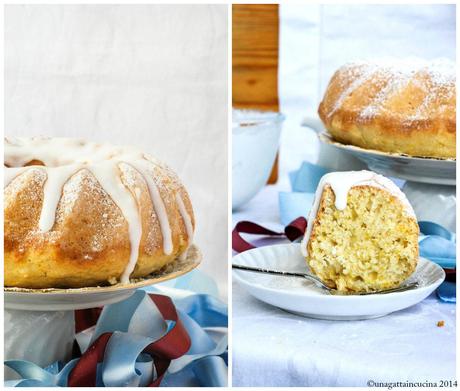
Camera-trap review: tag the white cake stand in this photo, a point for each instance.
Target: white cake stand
(430, 183)
(40, 323)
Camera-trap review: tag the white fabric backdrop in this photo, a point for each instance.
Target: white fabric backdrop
(146, 75)
(317, 39)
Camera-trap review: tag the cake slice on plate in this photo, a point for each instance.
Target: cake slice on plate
(362, 233)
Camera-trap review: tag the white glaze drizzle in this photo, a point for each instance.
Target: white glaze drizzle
(52, 192)
(185, 217)
(183, 256)
(159, 207)
(65, 157)
(187, 222)
(108, 175)
(341, 183)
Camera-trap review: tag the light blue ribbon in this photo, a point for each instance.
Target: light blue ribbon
(54, 375)
(204, 317)
(447, 292)
(213, 369)
(437, 244)
(298, 202)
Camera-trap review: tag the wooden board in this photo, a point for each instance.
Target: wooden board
(255, 40)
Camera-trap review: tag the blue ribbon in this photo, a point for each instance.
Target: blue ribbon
(204, 317)
(437, 244)
(446, 292)
(34, 376)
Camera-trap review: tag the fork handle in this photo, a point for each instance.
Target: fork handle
(319, 282)
(401, 288)
(307, 276)
(267, 271)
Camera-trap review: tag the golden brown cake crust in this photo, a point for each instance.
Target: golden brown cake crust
(410, 110)
(88, 244)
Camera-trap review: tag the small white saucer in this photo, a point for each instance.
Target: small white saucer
(52, 299)
(304, 298)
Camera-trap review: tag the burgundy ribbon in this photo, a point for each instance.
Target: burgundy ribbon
(292, 231)
(451, 274)
(172, 345)
(84, 319)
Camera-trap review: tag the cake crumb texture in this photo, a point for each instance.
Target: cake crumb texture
(370, 245)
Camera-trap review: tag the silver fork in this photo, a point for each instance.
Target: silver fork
(317, 281)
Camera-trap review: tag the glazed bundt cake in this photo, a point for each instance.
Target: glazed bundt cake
(81, 214)
(406, 107)
(362, 233)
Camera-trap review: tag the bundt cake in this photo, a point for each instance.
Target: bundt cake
(81, 214)
(362, 233)
(406, 107)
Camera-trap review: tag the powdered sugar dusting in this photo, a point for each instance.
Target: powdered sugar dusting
(434, 79)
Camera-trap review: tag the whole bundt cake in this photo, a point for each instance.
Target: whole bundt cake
(81, 214)
(406, 107)
(362, 233)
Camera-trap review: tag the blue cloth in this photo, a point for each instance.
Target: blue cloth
(204, 317)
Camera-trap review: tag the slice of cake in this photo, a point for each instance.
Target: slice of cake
(362, 233)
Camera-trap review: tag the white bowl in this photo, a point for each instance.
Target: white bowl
(255, 141)
(304, 298)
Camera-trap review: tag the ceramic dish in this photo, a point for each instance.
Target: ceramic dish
(304, 298)
(255, 140)
(51, 299)
(417, 169)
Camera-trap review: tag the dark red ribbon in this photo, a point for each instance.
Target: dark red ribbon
(292, 231)
(84, 319)
(172, 345)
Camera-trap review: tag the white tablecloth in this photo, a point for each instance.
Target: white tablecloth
(274, 348)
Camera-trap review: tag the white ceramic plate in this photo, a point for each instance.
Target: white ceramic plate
(304, 298)
(417, 169)
(411, 168)
(79, 298)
